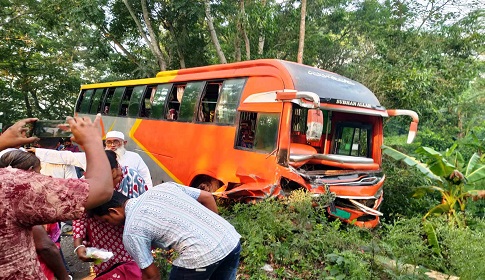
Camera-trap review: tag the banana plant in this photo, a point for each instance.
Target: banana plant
(449, 174)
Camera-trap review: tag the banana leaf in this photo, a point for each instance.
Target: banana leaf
(438, 209)
(432, 237)
(410, 161)
(475, 170)
(436, 162)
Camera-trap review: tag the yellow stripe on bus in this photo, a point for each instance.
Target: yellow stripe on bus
(132, 132)
(165, 77)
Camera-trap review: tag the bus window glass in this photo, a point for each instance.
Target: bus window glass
(135, 101)
(174, 99)
(189, 99)
(107, 99)
(266, 132)
(96, 106)
(207, 106)
(86, 101)
(258, 131)
(125, 101)
(229, 100)
(353, 140)
(156, 103)
(115, 102)
(246, 130)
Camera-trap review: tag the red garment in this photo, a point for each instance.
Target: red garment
(106, 236)
(126, 271)
(73, 148)
(54, 232)
(102, 236)
(28, 199)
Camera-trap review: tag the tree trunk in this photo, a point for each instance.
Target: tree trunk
(153, 38)
(301, 41)
(169, 27)
(261, 34)
(243, 30)
(155, 52)
(212, 32)
(106, 34)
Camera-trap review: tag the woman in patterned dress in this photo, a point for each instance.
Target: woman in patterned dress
(89, 232)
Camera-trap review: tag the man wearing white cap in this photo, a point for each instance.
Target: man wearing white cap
(115, 141)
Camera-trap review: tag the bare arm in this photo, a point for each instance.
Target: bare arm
(48, 252)
(150, 273)
(206, 199)
(98, 170)
(81, 251)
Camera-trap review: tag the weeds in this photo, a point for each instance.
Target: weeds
(292, 239)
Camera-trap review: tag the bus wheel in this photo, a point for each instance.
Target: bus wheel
(207, 184)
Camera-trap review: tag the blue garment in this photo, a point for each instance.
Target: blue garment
(225, 269)
(131, 184)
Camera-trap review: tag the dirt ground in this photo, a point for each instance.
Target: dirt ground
(79, 270)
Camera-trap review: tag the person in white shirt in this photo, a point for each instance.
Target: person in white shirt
(115, 141)
(55, 170)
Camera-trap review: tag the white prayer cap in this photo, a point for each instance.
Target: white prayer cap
(115, 134)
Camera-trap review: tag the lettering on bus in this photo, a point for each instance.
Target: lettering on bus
(352, 103)
(332, 77)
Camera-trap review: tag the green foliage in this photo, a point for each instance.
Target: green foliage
(448, 175)
(295, 240)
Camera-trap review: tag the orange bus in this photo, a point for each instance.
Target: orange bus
(254, 129)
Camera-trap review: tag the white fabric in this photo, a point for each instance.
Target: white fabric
(58, 170)
(130, 159)
(115, 134)
(169, 216)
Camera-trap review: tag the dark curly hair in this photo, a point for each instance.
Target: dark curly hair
(117, 200)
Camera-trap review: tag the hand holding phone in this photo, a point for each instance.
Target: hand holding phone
(51, 128)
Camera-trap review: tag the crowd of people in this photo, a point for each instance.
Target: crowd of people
(107, 193)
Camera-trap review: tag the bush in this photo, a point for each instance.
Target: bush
(292, 239)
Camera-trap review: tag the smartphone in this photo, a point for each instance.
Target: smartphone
(51, 128)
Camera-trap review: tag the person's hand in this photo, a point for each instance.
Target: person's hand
(81, 254)
(85, 131)
(31, 150)
(15, 136)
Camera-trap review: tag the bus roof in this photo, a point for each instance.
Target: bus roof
(330, 87)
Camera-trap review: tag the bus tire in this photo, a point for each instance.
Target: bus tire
(206, 183)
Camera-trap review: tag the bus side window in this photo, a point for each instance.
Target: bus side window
(174, 100)
(229, 96)
(96, 106)
(135, 101)
(246, 131)
(207, 106)
(107, 100)
(147, 101)
(85, 101)
(125, 101)
(189, 100)
(115, 104)
(266, 132)
(155, 103)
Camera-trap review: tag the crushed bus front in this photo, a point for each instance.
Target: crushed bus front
(324, 146)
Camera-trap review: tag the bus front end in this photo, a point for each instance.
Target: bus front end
(343, 157)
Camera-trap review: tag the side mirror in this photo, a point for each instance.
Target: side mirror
(314, 123)
(413, 128)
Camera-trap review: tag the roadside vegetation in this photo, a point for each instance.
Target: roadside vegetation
(418, 237)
